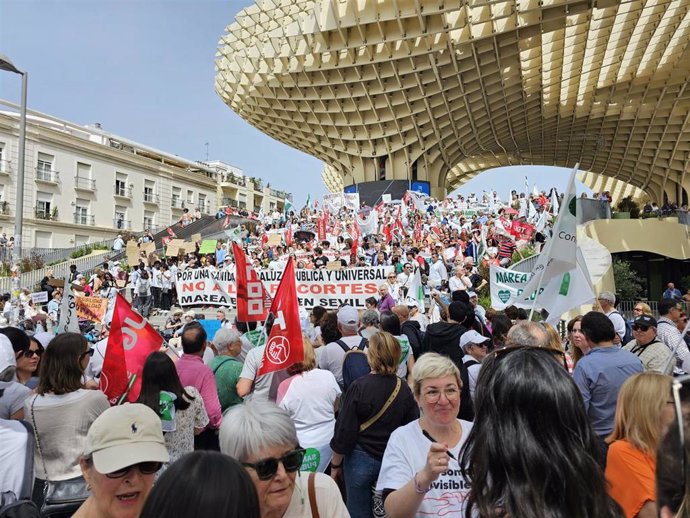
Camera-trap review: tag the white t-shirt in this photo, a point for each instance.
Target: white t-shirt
(331, 358)
(13, 437)
(618, 323)
(262, 384)
(472, 372)
(309, 399)
(406, 455)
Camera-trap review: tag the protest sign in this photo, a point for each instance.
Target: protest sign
(208, 246)
(56, 283)
(91, 308)
(522, 230)
(274, 239)
(196, 238)
(148, 248)
(173, 247)
(39, 297)
(132, 252)
(506, 284)
(327, 288)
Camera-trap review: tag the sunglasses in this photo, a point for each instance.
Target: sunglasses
(267, 468)
(32, 352)
(640, 328)
(145, 468)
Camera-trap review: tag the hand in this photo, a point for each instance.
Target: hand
(436, 463)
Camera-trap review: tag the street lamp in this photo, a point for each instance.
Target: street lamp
(7, 65)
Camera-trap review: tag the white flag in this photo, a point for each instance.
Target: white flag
(234, 234)
(415, 290)
(559, 253)
(569, 291)
(68, 312)
(554, 202)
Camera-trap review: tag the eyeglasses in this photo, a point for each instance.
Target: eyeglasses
(433, 395)
(145, 468)
(640, 328)
(638, 310)
(29, 353)
(267, 468)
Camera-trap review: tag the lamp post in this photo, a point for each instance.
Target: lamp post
(6, 64)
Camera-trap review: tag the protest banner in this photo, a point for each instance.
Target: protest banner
(39, 297)
(148, 248)
(132, 252)
(91, 308)
(506, 284)
(196, 238)
(522, 230)
(173, 247)
(56, 283)
(274, 239)
(208, 246)
(327, 288)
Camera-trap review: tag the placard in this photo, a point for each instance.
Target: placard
(274, 240)
(39, 297)
(208, 246)
(56, 283)
(91, 308)
(148, 248)
(196, 238)
(173, 247)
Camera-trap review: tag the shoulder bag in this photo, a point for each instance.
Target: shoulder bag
(61, 497)
(385, 406)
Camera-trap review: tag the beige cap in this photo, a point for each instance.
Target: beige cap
(125, 435)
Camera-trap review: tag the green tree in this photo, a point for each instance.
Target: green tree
(628, 284)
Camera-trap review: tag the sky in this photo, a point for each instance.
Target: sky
(144, 69)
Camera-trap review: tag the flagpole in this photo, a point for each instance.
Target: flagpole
(536, 294)
(132, 379)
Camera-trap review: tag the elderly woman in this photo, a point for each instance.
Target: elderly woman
(62, 411)
(419, 475)
(263, 438)
(631, 460)
(226, 366)
(531, 450)
(124, 450)
(203, 483)
(375, 406)
(310, 396)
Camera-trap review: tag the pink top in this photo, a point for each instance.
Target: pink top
(192, 371)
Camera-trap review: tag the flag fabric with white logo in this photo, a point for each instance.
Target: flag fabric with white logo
(253, 301)
(284, 345)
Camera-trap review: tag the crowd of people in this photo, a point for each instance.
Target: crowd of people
(449, 409)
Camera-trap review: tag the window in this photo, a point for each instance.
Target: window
(120, 217)
(43, 239)
(81, 212)
(120, 184)
(190, 197)
(202, 202)
(3, 160)
(44, 201)
(83, 178)
(44, 167)
(177, 197)
(149, 191)
(148, 220)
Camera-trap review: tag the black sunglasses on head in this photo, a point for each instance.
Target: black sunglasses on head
(267, 468)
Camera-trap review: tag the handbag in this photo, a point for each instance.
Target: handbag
(60, 497)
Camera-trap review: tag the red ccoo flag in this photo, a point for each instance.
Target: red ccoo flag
(131, 341)
(284, 345)
(253, 301)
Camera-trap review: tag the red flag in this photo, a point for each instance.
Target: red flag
(131, 341)
(354, 233)
(387, 232)
(322, 227)
(418, 231)
(253, 301)
(264, 239)
(284, 345)
(289, 238)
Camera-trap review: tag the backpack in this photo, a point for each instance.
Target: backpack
(143, 287)
(355, 362)
(469, 363)
(628, 336)
(22, 507)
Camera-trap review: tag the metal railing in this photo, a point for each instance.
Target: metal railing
(32, 279)
(123, 192)
(625, 307)
(278, 194)
(88, 184)
(84, 219)
(588, 209)
(42, 214)
(231, 178)
(122, 224)
(151, 197)
(47, 175)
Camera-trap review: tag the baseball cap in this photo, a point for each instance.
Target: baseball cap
(645, 320)
(471, 294)
(471, 338)
(7, 358)
(347, 315)
(125, 435)
(410, 302)
(191, 314)
(608, 296)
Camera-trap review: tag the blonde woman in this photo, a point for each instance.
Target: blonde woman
(644, 407)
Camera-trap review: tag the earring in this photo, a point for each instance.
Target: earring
(88, 487)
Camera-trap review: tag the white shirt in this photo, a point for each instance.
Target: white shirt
(13, 437)
(332, 356)
(455, 283)
(618, 322)
(472, 372)
(438, 272)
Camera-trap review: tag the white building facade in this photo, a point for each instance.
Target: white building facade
(84, 185)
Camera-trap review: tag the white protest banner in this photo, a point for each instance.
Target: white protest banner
(39, 297)
(506, 285)
(333, 202)
(68, 313)
(351, 200)
(327, 288)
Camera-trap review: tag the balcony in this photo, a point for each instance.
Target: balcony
(231, 180)
(123, 192)
(4, 208)
(48, 216)
(150, 197)
(278, 194)
(229, 202)
(5, 167)
(122, 224)
(47, 176)
(84, 219)
(84, 184)
(258, 186)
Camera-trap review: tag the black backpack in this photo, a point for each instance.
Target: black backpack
(12, 506)
(355, 362)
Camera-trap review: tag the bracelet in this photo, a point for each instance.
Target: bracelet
(417, 488)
